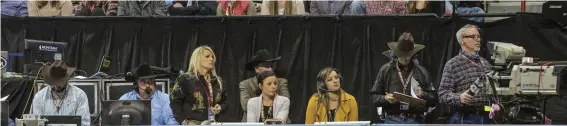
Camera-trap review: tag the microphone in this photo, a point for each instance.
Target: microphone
(477, 85)
(148, 91)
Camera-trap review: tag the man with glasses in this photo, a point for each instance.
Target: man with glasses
(406, 76)
(261, 61)
(459, 73)
(145, 89)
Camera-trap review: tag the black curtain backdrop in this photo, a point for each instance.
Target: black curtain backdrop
(353, 44)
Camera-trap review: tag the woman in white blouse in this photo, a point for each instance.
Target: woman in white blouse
(267, 106)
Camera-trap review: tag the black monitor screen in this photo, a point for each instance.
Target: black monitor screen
(126, 112)
(115, 90)
(62, 120)
(91, 91)
(44, 51)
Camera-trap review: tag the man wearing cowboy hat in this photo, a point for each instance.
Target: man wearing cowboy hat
(403, 75)
(145, 89)
(60, 98)
(261, 61)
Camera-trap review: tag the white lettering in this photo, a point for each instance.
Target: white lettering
(555, 6)
(48, 48)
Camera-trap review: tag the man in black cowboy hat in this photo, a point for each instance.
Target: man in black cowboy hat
(261, 61)
(403, 75)
(60, 98)
(145, 89)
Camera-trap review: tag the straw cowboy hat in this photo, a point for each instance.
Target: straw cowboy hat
(405, 47)
(260, 56)
(57, 73)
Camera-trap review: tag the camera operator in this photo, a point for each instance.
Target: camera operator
(459, 74)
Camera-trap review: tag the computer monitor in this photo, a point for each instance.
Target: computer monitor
(115, 88)
(61, 120)
(126, 112)
(90, 87)
(37, 52)
(4, 113)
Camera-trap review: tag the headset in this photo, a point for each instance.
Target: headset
(321, 87)
(131, 78)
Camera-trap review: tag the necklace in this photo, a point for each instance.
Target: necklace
(58, 100)
(266, 116)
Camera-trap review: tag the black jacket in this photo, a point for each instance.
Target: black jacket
(197, 8)
(388, 81)
(189, 98)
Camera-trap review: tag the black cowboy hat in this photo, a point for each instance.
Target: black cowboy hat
(405, 47)
(143, 71)
(260, 56)
(57, 73)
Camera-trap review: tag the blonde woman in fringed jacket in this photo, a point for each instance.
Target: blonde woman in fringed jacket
(269, 105)
(199, 91)
(50, 8)
(282, 7)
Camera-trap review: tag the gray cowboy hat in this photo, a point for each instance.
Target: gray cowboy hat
(57, 73)
(405, 47)
(260, 56)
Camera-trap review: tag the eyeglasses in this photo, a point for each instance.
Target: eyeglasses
(472, 36)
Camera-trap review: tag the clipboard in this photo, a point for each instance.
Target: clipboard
(409, 99)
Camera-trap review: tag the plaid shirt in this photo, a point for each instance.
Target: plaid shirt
(458, 75)
(386, 7)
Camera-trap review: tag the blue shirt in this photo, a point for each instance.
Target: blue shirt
(14, 8)
(75, 103)
(161, 112)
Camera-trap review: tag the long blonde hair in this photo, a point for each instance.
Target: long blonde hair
(195, 63)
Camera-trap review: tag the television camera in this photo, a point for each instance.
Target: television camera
(516, 74)
(521, 85)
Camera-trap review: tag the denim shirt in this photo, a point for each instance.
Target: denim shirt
(161, 112)
(74, 103)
